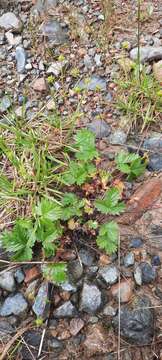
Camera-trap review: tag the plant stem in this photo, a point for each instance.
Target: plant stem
(138, 38)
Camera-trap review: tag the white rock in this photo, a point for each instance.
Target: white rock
(13, 40)
(9, 21)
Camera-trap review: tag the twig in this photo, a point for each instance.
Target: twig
(42, 339)
(25, 343)
(50, 289)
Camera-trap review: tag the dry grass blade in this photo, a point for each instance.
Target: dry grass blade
(19, 333)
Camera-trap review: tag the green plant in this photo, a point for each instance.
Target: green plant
(55, 211)
(56, 273)
(110, 204)
(131, 164)
(139, 101)
(108, 237)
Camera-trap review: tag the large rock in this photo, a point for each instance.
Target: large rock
(14, 304)
(54, 33)
(137, 322)
(90, 299)
(153, 143)
(9, 21)
(147, 53)
(41, 304)
(7, 281)
(157, 70)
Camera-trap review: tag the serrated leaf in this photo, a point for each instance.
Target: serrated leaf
(72, 206)
(48, 233)
(108, 237)
(130, 164)
(56, 273)
(20, 240)
(110, 204)
(137, 167)
(125, 158)
(85, 144)
(49, 210)
(78, 173)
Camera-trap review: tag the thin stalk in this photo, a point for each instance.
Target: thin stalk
(138, 38)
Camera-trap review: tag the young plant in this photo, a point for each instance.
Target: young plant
(131, 164)
(110, 204)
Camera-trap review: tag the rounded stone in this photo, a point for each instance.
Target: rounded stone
(7, 281)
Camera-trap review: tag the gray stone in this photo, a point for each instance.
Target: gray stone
(100, 128)
(9, 21)
(5, 329)
(21, 58)
(5, 104)
(14, 304)
(147, 53)
(43, 6)
(75, 269)
(19, 276)
(55, 344)
(93, 83)
(155, 162)
(118, 137)
(109, 274)
(109, 310)
(137, 323)
(53, 31)
(129, 259)
(66, 310)
(148, 273)
(154, 143)
(7, 281)
(68, 286)
(87, 257)
(41, 303)
(136, 243)
(90, 299)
